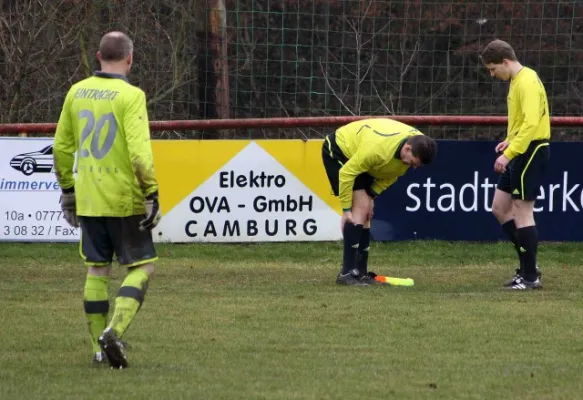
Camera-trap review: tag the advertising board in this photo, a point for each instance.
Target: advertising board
(277, 190)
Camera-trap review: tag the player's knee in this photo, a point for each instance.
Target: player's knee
(502, 205)
(360, 206)
(497, 209)
(148, 268)
(524, 212)
(502, 210)
(358, 218)
(502, 214)
(99, 270)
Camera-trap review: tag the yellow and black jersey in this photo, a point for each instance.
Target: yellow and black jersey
(528, 112)
(372, 146)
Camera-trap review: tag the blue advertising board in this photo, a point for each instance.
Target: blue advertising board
(452, 198)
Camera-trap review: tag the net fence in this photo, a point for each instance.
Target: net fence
(294, 58)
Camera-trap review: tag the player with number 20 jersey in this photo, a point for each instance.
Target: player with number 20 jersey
(105, 118)
(114, 197)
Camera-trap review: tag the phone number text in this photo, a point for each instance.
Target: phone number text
(40, 215)
(38, 230)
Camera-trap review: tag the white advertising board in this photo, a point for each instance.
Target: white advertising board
(29, 193)
(251, 198)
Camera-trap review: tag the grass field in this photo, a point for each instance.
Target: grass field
(267, 322)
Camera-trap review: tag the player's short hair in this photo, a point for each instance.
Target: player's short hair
(115, 46)
(423, 147)
(496, 52)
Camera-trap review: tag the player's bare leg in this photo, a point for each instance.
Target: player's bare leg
(502, 206)
(352, 233)
(360, 207)
(127, 304)
(523, 213)
(96, 304)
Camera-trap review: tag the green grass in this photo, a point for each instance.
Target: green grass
(266, 321)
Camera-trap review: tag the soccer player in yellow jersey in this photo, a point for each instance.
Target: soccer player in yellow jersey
(114, 197)
(522, 160)
(362, 159)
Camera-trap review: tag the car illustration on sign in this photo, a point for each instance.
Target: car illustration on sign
(36, 161)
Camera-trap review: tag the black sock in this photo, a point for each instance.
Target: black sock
(528, 240)
(352, 235)
(363, 247)
(511, 231)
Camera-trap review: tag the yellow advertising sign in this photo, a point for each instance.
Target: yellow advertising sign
(243, 190)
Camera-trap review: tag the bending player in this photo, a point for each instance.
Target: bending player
(115, 195)
(362, 159)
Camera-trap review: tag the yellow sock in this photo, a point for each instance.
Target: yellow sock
(96, 306)
(129, 300)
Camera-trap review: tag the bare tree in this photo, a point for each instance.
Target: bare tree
(34, 34)
(363, 70)
(46, 46)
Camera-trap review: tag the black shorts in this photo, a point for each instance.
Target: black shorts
(334, 159)
(524, 173)
(101, 237)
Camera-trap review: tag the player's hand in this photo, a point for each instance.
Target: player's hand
(69, 208)
(501, 146)
(153, 214)
(501, 164)
(346, 218)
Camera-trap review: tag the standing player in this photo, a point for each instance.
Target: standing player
(114, 197)
(362, 159)
(522, 159)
